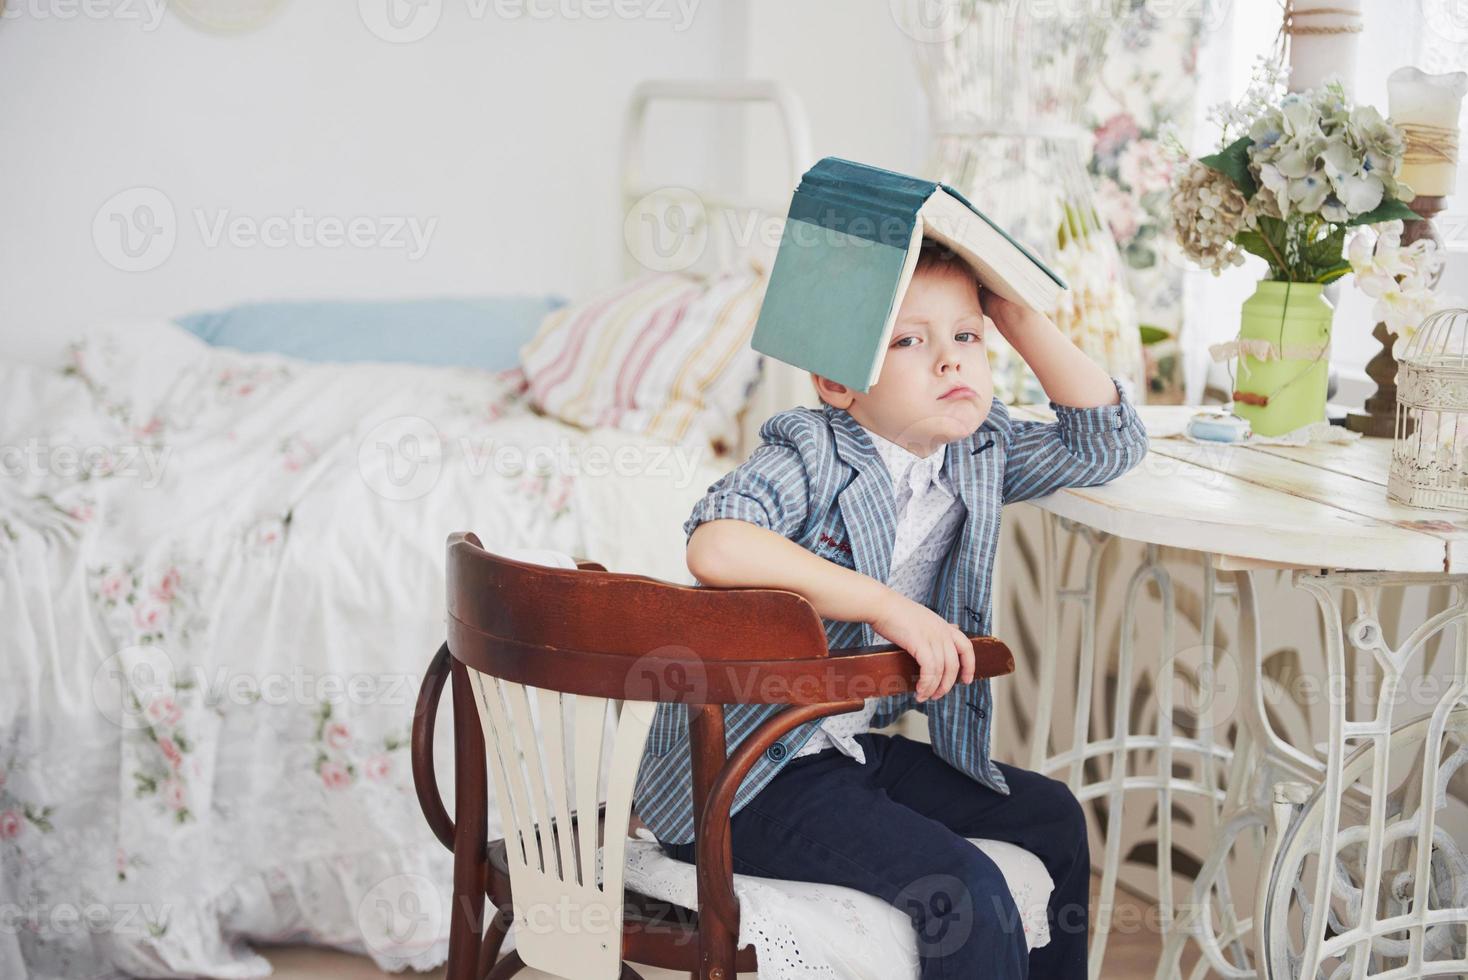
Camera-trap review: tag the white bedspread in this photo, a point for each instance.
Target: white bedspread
(221, 576)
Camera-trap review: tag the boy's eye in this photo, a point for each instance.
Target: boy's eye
(904, 342)
(967, 333)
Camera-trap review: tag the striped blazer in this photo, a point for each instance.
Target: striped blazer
(818, 480)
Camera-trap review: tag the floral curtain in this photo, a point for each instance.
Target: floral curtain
(1148, 81)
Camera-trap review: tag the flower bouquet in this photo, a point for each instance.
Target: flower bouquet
(1295, 171)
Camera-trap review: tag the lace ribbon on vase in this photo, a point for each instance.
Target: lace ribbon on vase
(1265, 350)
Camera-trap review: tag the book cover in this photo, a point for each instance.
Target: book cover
(846, 254)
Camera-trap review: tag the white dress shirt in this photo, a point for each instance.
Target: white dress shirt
(928, 517)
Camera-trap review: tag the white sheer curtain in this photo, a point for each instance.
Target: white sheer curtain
(1431, 34)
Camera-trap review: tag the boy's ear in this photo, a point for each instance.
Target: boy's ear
(833, 394)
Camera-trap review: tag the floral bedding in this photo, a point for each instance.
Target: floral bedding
(221, 576)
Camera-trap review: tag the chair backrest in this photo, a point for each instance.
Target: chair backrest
(567, 923)
(545, 731)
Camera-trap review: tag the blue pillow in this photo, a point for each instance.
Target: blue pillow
(483, 332)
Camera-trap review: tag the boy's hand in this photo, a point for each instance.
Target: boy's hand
(943, 652)
(1008, 318)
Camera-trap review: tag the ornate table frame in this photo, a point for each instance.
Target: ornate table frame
(1259, 791)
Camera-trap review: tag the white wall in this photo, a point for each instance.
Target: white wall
(502, 130)
(497, 133)
(853, 69)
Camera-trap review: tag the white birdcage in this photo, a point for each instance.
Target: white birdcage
(1430, 451)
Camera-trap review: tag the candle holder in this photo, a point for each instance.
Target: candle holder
(1320, 39)
(1380, 415)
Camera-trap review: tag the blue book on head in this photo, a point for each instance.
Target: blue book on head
(847, 253)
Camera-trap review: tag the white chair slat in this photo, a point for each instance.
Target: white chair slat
(632, 729)
(588, 731)
(528, 746)
(505, 764)
(552, 724)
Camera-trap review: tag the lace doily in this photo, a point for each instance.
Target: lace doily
(802, 930)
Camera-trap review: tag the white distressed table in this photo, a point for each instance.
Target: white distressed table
(1396, 902)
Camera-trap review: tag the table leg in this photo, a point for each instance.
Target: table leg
(1395, 899)
(1138, 752)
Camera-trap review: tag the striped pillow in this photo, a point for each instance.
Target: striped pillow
(666, 355)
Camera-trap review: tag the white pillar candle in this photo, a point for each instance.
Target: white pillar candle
(1323, 38)
(1427, 108)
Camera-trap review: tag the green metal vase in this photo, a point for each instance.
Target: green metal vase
(1292, 316)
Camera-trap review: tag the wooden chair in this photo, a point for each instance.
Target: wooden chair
(624, 641)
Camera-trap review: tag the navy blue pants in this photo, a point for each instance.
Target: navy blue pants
(895, 828)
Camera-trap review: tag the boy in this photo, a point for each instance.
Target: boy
(883, 509)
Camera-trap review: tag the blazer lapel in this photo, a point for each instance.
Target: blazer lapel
(866, 502)
(969, 467)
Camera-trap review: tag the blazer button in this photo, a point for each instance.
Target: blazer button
(775, 752)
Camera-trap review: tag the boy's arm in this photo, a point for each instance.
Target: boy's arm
(742, 533)
(1096, 436)
(731, 553)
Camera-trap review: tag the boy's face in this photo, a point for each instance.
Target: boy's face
(937, 346)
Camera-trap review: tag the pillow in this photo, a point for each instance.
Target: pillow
(481, 332)
(666, 355)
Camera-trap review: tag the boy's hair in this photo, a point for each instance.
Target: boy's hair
(934, 256)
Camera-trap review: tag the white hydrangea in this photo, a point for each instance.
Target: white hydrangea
(1315, 154)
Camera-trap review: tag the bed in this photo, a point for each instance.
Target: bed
(222, 575)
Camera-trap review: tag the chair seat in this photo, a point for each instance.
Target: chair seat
(803, 929)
